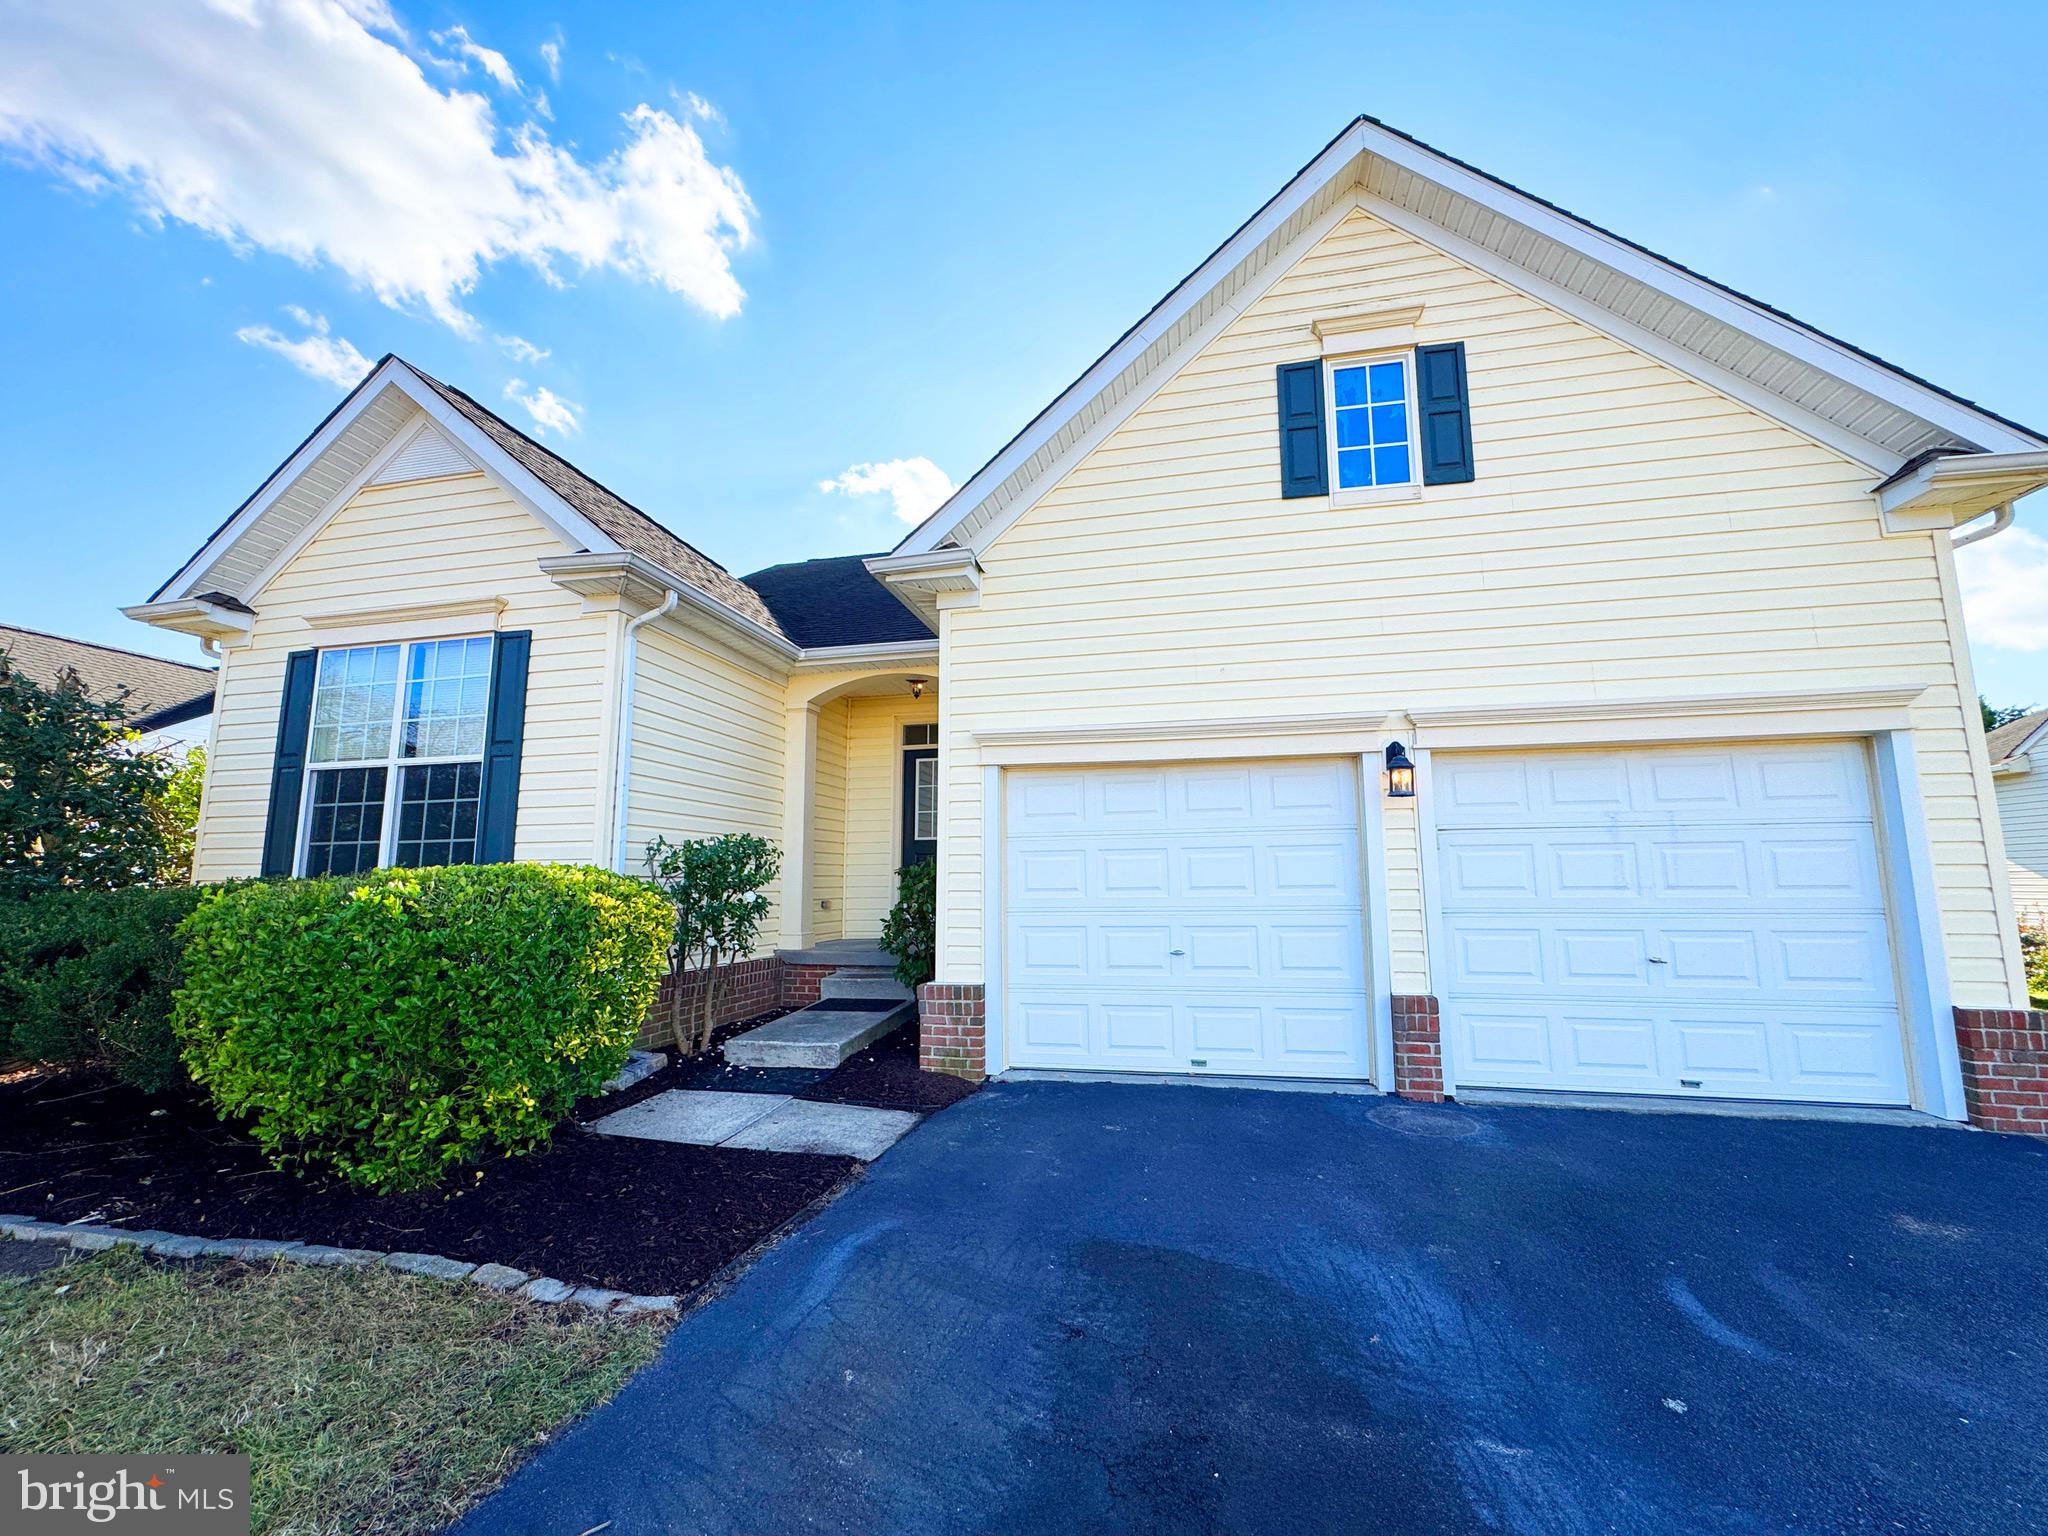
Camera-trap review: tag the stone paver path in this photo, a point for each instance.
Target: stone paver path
(762, 1122)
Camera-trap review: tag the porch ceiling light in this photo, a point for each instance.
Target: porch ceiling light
(1400, 772)
(917, 686)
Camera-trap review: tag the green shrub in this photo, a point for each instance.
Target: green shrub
(87, 976)
(393, 1025)
(715, 885)
(2034, 951)
(911, 932)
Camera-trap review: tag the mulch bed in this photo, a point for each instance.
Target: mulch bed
(640, 1216)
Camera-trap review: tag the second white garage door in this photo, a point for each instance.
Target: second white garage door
(1189, 918)
(1700, 921)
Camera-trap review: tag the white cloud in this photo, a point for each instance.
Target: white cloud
(489, 60)
(324, 356)
(307, 129)
(916, 487)
(551, 55)
(550, 412)
(2005, 590)
(520, 350)
(699, 108)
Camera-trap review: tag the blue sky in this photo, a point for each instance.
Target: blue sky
(761, 247)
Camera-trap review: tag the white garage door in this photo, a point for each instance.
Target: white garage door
(1187, 918)
(1701, 921)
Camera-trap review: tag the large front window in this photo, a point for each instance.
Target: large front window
(396, 755)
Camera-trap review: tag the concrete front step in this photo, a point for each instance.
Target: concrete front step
(863, 983)
(817, 1036)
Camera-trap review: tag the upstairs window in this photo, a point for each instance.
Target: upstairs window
(395, 756)
(1372, 411)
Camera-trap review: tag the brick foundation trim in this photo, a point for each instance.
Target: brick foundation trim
(952, 1028)
(2004, 1054)
(800, 983)
(751, 987)
(1418, 1048)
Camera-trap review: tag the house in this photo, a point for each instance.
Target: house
(2019, 774)
(168, 702)
(1442, 645)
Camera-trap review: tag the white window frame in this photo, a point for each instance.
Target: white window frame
(392, 762)
(916, 791)
(1366, 495)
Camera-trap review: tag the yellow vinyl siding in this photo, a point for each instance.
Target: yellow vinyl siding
(828, 826)
(874, 806)
(707, 750)
(1631, 533)
(451, 540)
(2023, 808)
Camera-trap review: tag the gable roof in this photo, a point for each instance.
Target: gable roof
(159, 692)
(1871, 410)
(337, 454)
(835, 601)
(2011, 739)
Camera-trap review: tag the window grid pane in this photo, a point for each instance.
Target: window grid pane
(347, 820)
(1371, 421)
(437, 814)
(925, 810)
(446, 696)
(353, 696)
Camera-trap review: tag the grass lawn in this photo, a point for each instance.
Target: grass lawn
(367, 1401)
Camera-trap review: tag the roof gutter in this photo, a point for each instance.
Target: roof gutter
(2001, 519)
(625, 738)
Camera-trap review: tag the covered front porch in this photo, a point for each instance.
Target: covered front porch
(860, 801)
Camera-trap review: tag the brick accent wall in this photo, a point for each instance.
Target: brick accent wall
(800, 983)
(1418, 1048)
(952, 1031)
(751, 987)
(2004, 1053)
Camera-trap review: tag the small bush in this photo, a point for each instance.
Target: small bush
(87, 977)
(911, 932)
(2034, 951)
(715, 885)
(393, 1025)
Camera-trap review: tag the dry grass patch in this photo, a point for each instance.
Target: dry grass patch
(368, 1401)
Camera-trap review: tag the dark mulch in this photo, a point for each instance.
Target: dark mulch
(886, 1076)
(639, 1216)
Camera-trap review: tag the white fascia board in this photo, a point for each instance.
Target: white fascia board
(192, 616)
(1163, 317)
(877, 653)
(1961, 486)
(638, 579)
(1697, 293)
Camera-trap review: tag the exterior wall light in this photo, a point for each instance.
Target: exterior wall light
(1400, 773)
(917, 686)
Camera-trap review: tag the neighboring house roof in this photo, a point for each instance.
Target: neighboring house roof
(835, 602)
(228, 568)
(159, 693)
(2011, 739)
(1871, 410)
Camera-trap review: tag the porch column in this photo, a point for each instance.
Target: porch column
(799, 815)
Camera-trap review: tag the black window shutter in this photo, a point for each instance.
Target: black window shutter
(1304, 467)
(504, 738)
(1445, 414)
(288, 767)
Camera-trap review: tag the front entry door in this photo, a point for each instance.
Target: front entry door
(920, 805)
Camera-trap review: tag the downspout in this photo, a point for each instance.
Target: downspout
(2001, 519)
(625, 769)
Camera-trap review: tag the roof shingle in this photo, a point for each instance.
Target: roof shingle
(2009, 738)
(155, 686)
(835, 601)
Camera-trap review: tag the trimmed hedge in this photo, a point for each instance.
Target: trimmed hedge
(393, 1025)
(87, 977)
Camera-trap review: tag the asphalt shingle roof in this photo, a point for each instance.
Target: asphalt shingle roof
(835, 602)
(2007, 739)
(155, 687)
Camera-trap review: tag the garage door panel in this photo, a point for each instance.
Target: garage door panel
(1201, 917)
(1721, 929)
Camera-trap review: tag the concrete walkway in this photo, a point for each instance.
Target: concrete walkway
(1103, 1308)
(765, 1122)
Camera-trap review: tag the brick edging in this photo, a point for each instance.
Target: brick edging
(87, 1238)
(2004, 1057)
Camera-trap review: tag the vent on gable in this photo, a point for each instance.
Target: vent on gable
(429, 454)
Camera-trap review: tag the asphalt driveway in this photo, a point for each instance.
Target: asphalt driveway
(1073, 1307)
